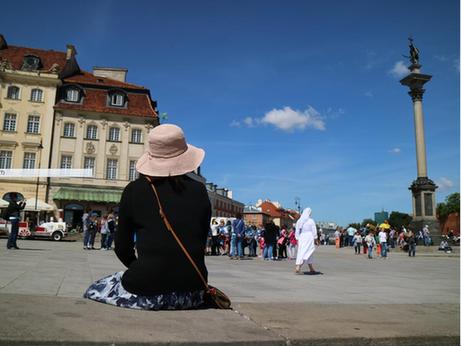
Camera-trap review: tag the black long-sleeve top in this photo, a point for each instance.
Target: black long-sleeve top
(160, 265)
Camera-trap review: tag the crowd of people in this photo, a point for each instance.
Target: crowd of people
(106, 225)
(381, 239)
(240, 241)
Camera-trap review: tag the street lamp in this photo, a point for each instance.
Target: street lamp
(298, 204)
(40, 147)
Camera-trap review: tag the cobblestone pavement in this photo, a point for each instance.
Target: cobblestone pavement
(355, 300)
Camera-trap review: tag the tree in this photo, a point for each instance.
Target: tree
(451, 205)
(398, 219)
(365, 222)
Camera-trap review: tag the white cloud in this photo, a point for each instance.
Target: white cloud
(249, 122)
(395, 151)
(234, 123)
(369, 94)
(444, 183)
(288, 119)
(399, 70)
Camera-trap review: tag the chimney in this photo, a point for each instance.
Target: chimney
(111, 72)
(3, 44)
(70, 52)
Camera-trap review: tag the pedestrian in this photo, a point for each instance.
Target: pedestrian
(383, 242)
(86, 233)
(357, 240)
(337, 238)
(12, 213)
(392, 238)
(104, 232)
(111, 227)
(92, 230)
(350, 235)
(270, 240)
(411, 245)
(282, 242)
(239, 228)
(370, 240)
(292, 242)
(427, 236)
(165, 201)
(306, 234)
(233, 241)
(214, 238)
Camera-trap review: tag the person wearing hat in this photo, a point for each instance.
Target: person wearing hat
(159, 276)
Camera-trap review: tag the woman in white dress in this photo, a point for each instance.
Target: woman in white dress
(306, 234)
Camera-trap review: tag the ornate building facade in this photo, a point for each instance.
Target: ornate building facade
(101, 123)
(29, 79)
(55, 115)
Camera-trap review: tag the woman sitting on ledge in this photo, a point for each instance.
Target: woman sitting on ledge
(159, 276)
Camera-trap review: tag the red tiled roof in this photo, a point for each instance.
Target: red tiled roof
(95, 100)
(88, 78)
(15, 56)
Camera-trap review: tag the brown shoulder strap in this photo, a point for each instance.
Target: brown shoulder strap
(170, 228)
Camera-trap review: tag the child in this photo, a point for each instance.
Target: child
(370, 240)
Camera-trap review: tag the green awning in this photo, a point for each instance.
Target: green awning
(85, 194)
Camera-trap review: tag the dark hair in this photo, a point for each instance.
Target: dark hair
(176, 182)
(238, 215)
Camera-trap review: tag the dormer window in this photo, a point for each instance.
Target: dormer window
(31, 63)
(117, 99)
(72, 95)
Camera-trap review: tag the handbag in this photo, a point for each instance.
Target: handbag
(213, 296)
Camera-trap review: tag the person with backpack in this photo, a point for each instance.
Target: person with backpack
(11, 213)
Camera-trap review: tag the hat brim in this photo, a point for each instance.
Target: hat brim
(187, 162)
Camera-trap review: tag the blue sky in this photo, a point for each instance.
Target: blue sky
(288, 98)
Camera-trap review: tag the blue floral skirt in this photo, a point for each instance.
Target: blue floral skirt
(109, 290)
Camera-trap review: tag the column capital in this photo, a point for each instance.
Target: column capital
(416, 94)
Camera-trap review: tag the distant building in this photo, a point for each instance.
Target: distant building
(222, 203)
(381, 216)
(278, 214)
(255, 216)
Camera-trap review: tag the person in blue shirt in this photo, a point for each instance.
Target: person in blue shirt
(239, 229)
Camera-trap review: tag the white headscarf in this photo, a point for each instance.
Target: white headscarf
(306, 215)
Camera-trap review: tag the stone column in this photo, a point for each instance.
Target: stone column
(423, 188)
(417, 96)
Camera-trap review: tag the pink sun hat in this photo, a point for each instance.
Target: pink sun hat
(168, 153)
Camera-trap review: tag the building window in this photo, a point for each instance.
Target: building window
(111, 170)
(29, 160)
(36, 95)
(88, 162)
(136, 136)
(13, 93)
(72, 95)
(117, 100)
(114, 134)
(5, 159)
(31, 63)
(66, 162)
(132, 174)
(92, 132)
(69, 130)
(33, 124)
(9, 122)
